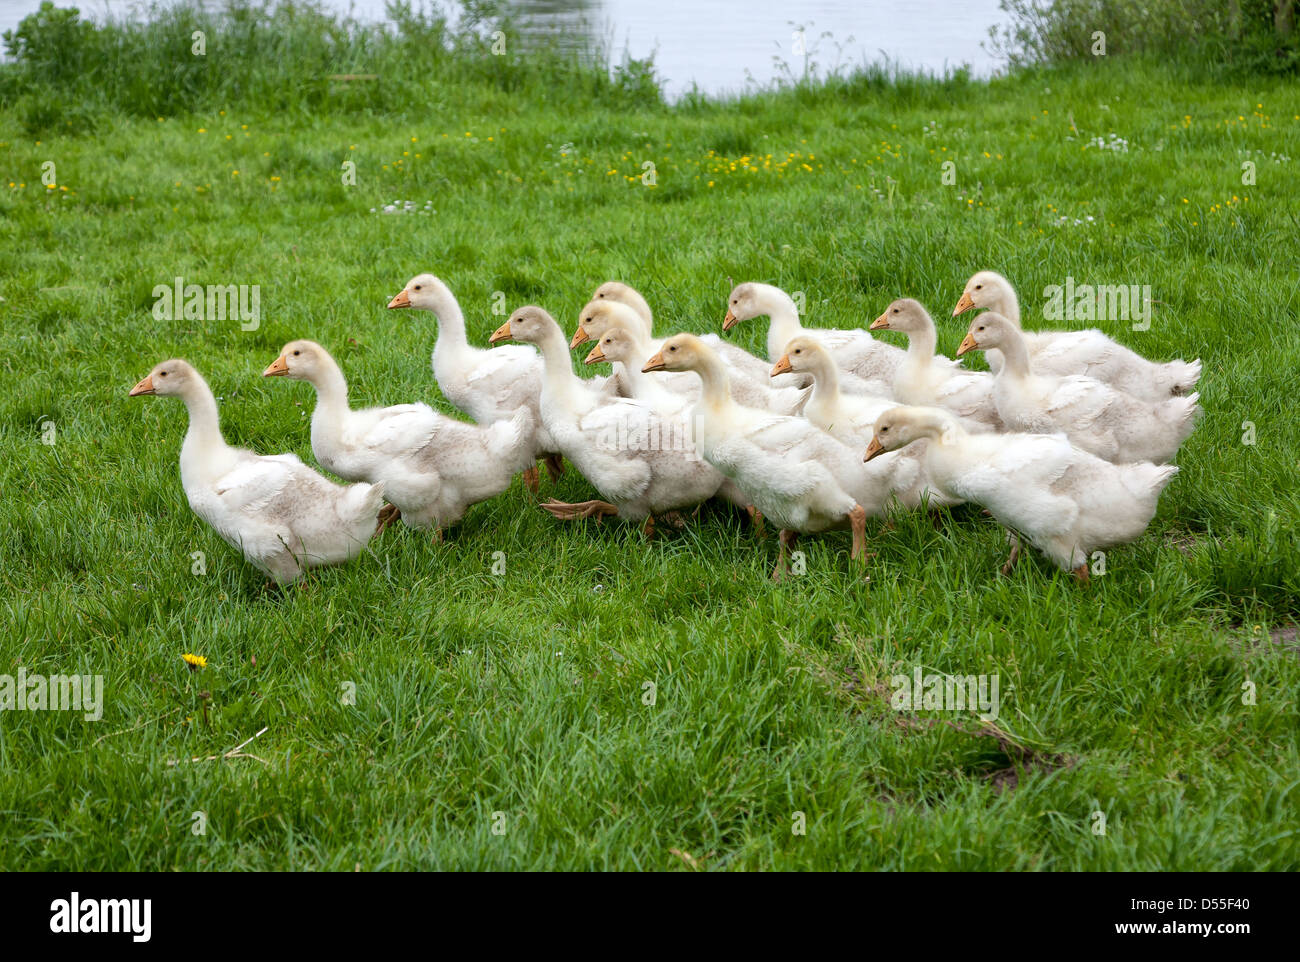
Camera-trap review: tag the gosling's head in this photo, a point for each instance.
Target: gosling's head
(597, 317)
(905, 315)
(300, 360)
(802, 354)
(750, 300)
(423, 291)
(984, 290)
(168, 378)
(900, 426)
(624, 294)
(681, 352)
(617, 344)
(989, 330)
(527, 324)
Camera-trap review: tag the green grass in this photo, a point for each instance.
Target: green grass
(523, 693)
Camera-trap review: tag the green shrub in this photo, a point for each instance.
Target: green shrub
(1232, 35)
(290, 55)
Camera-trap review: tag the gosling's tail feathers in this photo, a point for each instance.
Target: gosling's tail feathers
(1146, 480)
(1181, 413)
(511, 439)
(1182, 376)
(363, 501)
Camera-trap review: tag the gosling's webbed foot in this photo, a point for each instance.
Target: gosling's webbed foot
(581, 509)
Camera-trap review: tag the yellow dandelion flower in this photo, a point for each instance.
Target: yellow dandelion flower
(195, 662)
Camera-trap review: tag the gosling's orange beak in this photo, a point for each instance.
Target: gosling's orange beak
(881, 323)
(595, 357)
(502, 333)
(781, 366)
(963, 305)
(655, 363)
(729, 321)
(873, 449)
(580, 336)
(401, 300)
(144, 387)
(967, 344)
(279, 368)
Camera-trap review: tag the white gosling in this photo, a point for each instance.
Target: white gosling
(1087, 352)
(920, 381)
(1094, 415)
(852, 418)
(433, 467)
(641, 460)
(620, 345)
(487, 385)
(283, 516)
(798, 475)
(1065, 501)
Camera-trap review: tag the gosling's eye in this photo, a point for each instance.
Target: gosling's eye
(979, 287)
(601, 296)
(674, 348)
(417, 287)
(736, 301)
(896, 310)
(296, 353)
(162, 373)
(981, 328)
(798, 350)
(884, 430)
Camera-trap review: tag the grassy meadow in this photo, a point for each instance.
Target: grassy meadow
(500, 720)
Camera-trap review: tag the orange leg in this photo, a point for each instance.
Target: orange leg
(531, 479)
(787, 539)
(858, 522)
(554, 466)
(1013, 557)
(387, 515)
